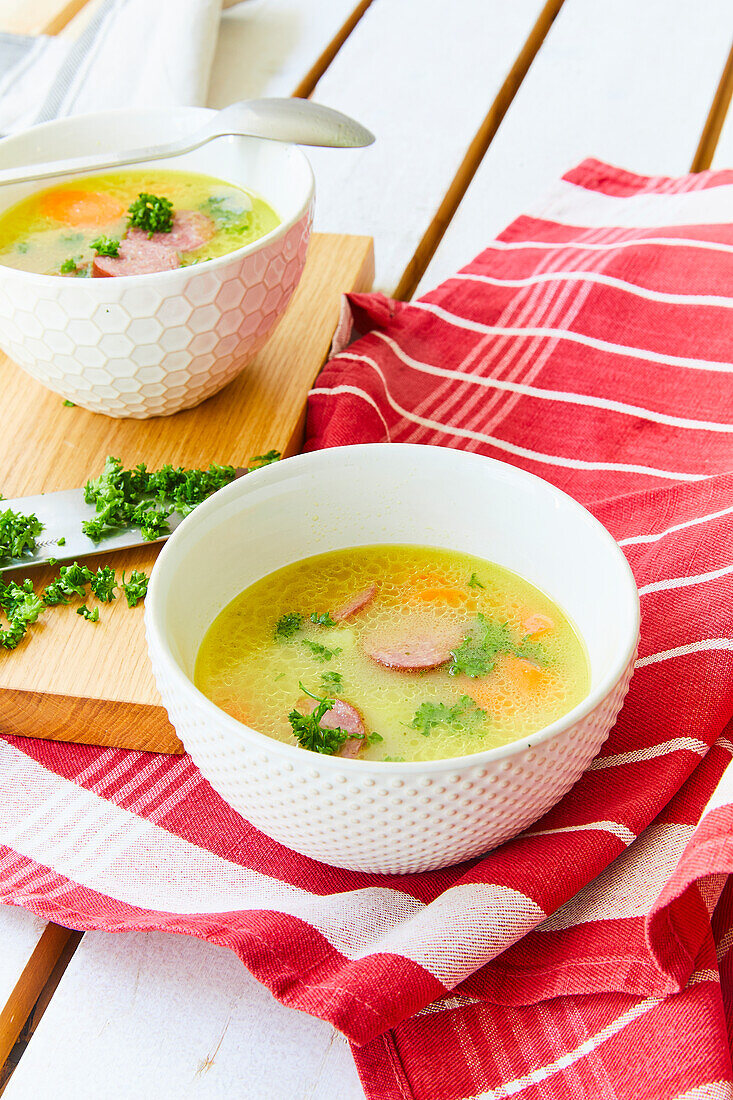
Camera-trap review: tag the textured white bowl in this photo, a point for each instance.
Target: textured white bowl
(150, 345)
(380, 816)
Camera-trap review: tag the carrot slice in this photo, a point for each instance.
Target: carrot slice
(81, 207)
(537, 625)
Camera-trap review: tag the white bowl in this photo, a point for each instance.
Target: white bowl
(150, 345)
(374, 816)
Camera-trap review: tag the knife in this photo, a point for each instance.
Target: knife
(62, 514)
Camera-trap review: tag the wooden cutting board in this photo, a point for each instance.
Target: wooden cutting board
(71, 680)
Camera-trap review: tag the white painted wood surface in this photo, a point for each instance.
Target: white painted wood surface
(142, 1015)
(629, 82)
(20, 931)
(422, 77)
(266, 47)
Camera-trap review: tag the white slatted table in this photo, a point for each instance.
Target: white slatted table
(457, 106)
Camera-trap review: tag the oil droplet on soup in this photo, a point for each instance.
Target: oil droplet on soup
(512, 662)
(51, 231)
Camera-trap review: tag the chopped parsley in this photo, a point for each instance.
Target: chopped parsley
(69, 404)
(151, 213)
(393, 759)
(321, 652)
(70, 266)
(103, 584)
(228, 214)
(461, 714)
(257, 461)
(332, 683)
(71, 581)
(22, 247)
(477, 655)
(21, 607)
(287, 626)
(323, 620)
(474, 582)
(18, 533)
(136, 588)
(90, 616)
(61, 541)
(106, 246)
(372, 738)
(309, 732)
(147, 498)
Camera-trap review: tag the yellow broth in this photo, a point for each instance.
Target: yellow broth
(58, 224)
(254, 675)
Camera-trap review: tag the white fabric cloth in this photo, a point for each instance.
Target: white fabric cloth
(133, 53)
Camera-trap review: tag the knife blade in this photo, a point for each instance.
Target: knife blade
(62, 514)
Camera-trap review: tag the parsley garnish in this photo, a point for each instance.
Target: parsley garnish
(147, 498)
(61, 541)
(151, 213)
(477, 656)
(321, 652)
(18, 533)
(22, 246)
(257, 461)
(474, 582)
(530, 650)
(136, 588)
(90, 616)
(69, 404)
(332, 683)
(22, 608)
(103, 584)
(394, 759)
(323, 620)
(227, 214)
(106, 246)
(70, 266)
(309, 732)
(287, 626)
(463, 713)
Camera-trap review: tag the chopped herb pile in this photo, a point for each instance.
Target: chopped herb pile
(18, 533)
(147, 498)
(106, 246)
(321, 652)
(462, 714)
(136, 588)
(21, 607)
(151, 213)
(477, 654)
(474, 582)
(288, 626)
(309, 732)
(323, 620)
(90, 616)
(257, 461)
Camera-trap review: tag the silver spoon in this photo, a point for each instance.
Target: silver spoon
(292, 120)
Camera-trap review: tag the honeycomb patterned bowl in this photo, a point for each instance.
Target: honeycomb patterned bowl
(150, 345)
(375, 816)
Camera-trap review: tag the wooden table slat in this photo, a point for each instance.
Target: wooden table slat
(424, 84)
(155, 1014)
(626, 82)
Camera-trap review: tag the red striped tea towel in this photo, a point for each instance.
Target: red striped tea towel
(589, 957)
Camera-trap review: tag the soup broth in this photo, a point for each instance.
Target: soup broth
(53, 231)
(438, 653)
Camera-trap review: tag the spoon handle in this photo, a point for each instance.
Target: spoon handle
(96, 162)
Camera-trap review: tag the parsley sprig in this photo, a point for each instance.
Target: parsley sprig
(478, 652)
(106, 246)
(147, 498)
(462, 714)
(136, 588)
(151, 213)
(21, 607)
(309, 732)
(321, 652)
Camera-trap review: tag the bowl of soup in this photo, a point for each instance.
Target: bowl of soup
(391, 657)
(142, 291)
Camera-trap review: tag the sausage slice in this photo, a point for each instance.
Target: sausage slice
(356, 603)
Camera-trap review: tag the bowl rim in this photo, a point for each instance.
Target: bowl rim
(279, 471)
(42, 279)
